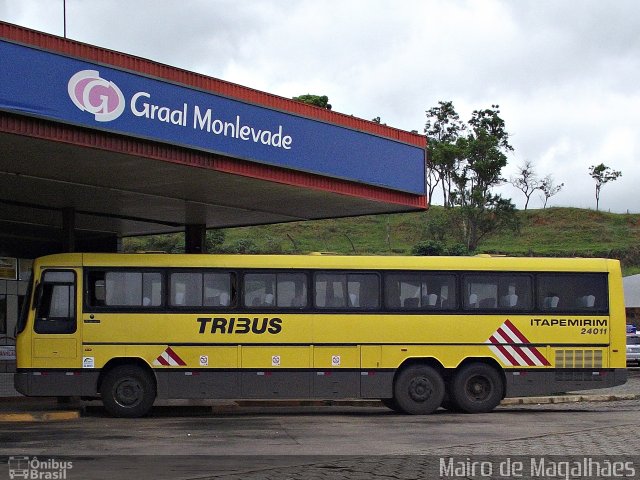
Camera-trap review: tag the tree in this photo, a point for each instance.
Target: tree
(173, 242)
(468, 159)
(429, 248)
(169, 243)
(484, 152)
(244, 245)
(477, 222)
(526, 181)
(321, 101)
(443, 129)
(549, 189)
(214, 240)
(602, 174)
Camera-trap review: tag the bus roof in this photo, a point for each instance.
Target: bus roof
(315, 261)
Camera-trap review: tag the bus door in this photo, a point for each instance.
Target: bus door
(56, 336)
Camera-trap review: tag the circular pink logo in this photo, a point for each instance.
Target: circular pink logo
(95, 95)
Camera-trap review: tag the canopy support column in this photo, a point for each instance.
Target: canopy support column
(194, 238)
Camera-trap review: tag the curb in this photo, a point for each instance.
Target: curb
(567, 399)
(308, 403)
(56, 416)
(507, 402)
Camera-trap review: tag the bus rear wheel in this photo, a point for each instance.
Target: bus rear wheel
(476, 388)
(419, 390)
(128, 391)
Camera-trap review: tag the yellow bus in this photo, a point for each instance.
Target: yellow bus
(418, 333)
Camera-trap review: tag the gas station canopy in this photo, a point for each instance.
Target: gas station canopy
(117, 145)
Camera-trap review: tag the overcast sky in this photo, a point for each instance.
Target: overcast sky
(566, 74)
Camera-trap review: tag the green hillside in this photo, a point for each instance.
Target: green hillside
(549, 232)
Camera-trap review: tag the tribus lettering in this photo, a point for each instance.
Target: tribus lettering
(240, 325)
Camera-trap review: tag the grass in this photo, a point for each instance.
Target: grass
(549, 232)
(382, 234)
(570, 232)
(563, 232)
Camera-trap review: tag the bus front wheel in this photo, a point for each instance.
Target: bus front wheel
(128, 391)
(419, 390)
(476, 388)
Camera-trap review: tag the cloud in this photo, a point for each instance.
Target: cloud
(564, 73)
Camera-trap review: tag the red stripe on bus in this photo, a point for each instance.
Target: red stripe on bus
(524, 356)
(174, 356)
(524, 339)
(503, 350)
(162, 361)
(515, 331)
(540, 357)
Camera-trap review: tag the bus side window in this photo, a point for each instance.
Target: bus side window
(133, 289)
(419, 291)
(573, 291)
(499, 291)
(56, 312)
(351, 291)
(285, 290)
(123, 289)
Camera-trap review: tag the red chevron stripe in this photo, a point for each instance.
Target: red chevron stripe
(174, 356)
(516, 332)
(524, 339)
(540, 357)
(162, 361)
(524, 356)
(503, 350)
(519, 350)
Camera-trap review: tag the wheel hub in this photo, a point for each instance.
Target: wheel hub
(420, 389)
(128, 392)
(478, 388)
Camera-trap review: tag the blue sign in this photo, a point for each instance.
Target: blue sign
(52, 86)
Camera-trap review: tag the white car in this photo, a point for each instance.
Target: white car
(633, 349)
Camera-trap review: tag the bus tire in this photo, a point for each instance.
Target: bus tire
(476, 388)
(419, 390)
(128, 391)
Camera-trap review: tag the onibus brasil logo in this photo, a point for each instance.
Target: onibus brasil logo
(95, 95)
(32, 468)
